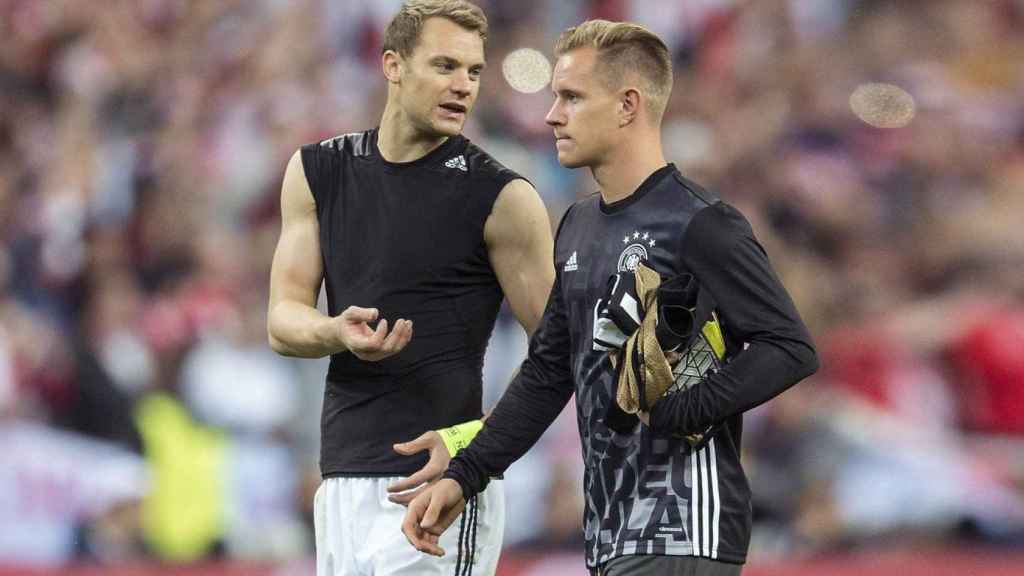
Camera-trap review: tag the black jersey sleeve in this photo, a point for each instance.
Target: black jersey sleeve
(488, 169)
(722, 252)
(531, 403)
(320, 163)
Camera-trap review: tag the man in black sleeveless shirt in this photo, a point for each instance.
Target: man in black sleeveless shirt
(409, 222)
(655, 502)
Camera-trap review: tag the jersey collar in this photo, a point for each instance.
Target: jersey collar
(649, 183)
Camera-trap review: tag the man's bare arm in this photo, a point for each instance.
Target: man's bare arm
(518, 236)
(294, 325)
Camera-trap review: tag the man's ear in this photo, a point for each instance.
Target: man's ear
(393, 64)
(629, 106)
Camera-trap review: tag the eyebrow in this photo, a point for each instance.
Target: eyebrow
(442, 59)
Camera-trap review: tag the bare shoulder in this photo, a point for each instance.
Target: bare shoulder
(296, 196)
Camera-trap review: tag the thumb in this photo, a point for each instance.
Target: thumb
(357, 314)
(413, 446)
(434, 509)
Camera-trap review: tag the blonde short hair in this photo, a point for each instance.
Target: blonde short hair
(623, 47)
(403, 32)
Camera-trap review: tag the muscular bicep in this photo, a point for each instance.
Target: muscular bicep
(297, 269)
(518, 236)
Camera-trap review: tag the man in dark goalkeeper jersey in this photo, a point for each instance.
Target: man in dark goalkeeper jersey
(654, 503)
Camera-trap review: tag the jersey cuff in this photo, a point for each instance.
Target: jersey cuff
(456, 471)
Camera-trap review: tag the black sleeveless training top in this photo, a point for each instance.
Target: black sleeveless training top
(407, 239)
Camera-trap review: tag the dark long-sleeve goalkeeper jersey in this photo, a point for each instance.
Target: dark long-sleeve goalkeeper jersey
(647, 491)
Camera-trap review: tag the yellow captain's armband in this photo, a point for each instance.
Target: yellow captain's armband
(459, 436)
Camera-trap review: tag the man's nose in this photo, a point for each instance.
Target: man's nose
(462, 86)
(554, 116)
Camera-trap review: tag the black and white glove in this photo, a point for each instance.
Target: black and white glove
(618, 314)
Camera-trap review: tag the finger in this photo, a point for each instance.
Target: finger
(411, 526)
(432, 545)
(416, 536)
(355, 314)
(376, 340)
(388, 346)
(426, 474)
(406, 336)
(429, 544)
(413, 515)
(406, 497)
(401, 337)
(420, 443)
(433, 512)
(446, 519)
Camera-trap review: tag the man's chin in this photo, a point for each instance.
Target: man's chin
(568, 161)
(448, 128)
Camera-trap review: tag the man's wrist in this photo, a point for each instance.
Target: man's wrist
(462, 491)
(461, 481)
(457, 437)
(328, 335)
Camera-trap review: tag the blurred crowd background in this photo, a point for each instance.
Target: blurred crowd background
(142, 143)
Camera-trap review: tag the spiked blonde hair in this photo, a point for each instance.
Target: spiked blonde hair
(625, 48)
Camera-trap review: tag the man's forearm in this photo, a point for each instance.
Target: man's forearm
(525, 411)
(758, 314)
(757, 375)
(300, 330)
(537, 394)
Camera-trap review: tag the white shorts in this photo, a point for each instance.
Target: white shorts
(359, 533)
